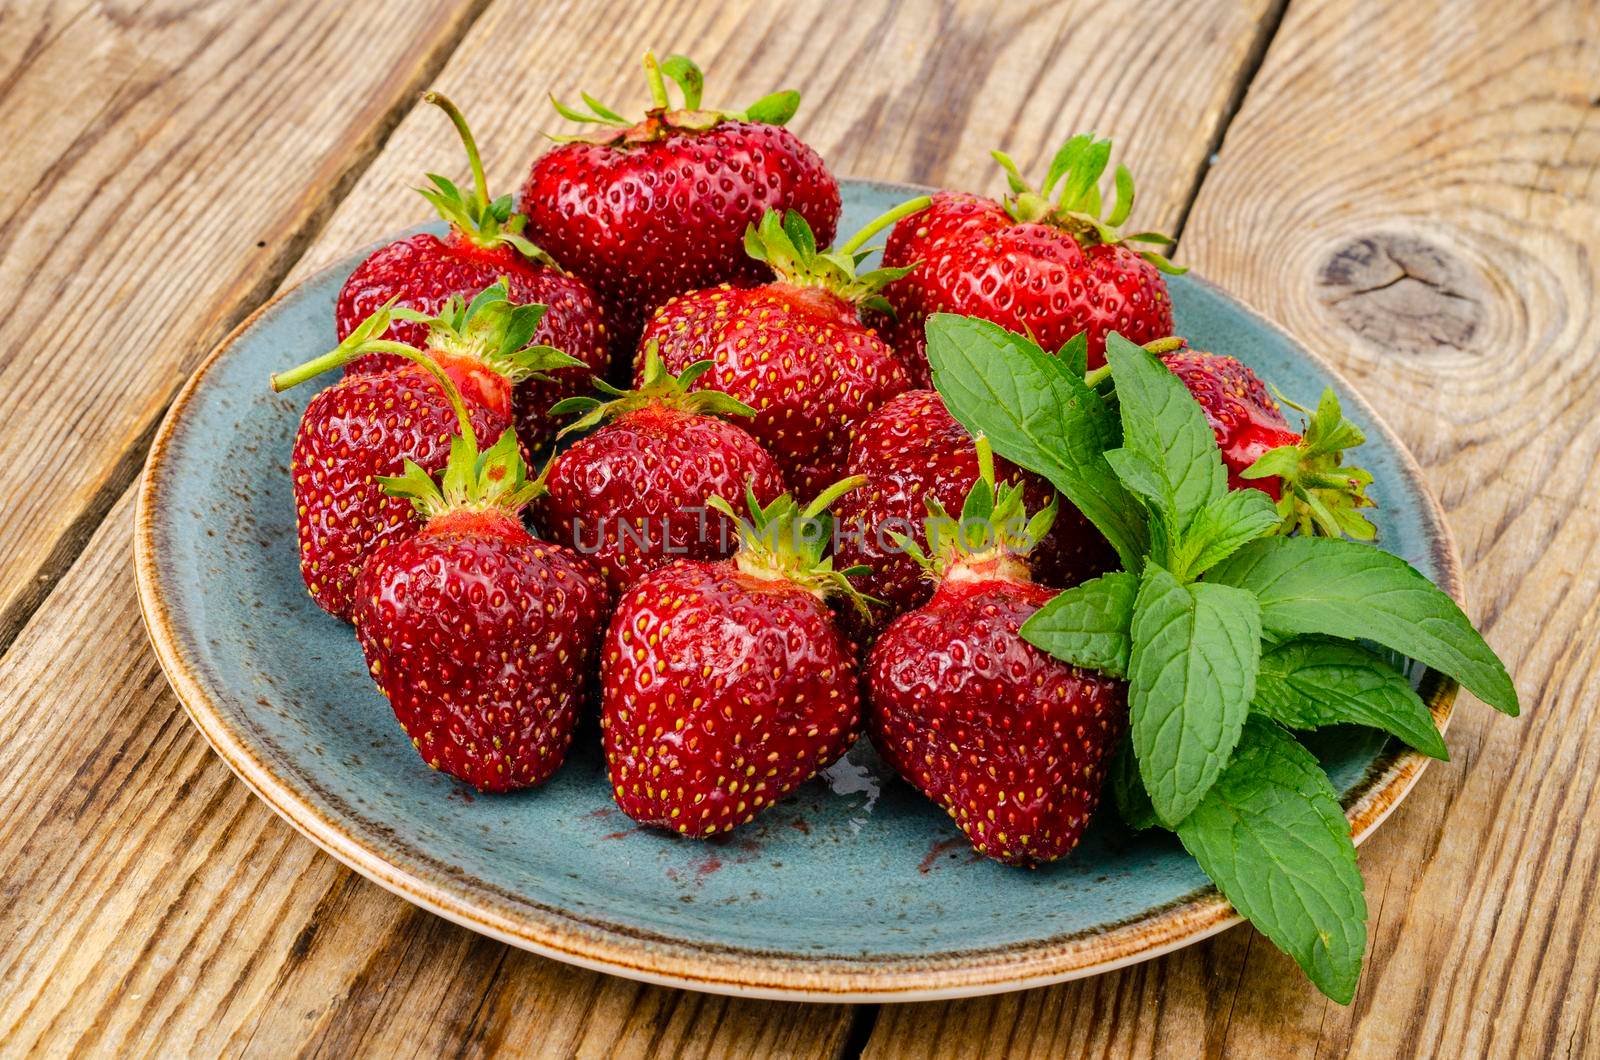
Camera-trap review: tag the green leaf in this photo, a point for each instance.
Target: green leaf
(1004, 386)
(572, 113)
(1312, 682)
(1358, 592)
(1078, 190)
(1223, 527)
(1191, 676)
(1139, 474)
(1073, 356)
(1133, 802)
(604, 111)
(682, 70)
(1163, 423)
(775, 109)
(1088, 624)
(1065, 161)
(1272, 837)
(1124, 203)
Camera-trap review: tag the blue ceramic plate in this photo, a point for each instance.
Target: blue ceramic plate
(854, 889)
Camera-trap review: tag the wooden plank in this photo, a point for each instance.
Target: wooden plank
(141, 223)
(1411, 189)
(161, 905)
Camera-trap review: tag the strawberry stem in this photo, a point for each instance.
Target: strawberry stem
(479, 183)
(825, 499)
(335, 358)
(884, 220)
(658, 84)
(359, 344)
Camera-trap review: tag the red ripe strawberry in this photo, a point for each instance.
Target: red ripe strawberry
(479, 634)
(726, 685)
(912, 451)
(649, 210)
(1316, 492)
(1011, 742)
(366, 425)
(794, 350)
(633, 494)
(484, 246)
(1043, 269)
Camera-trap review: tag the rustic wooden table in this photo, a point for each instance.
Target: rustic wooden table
(1409, 186)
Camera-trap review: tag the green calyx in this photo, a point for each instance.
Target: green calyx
(660, 387)
(786, 243)
(662, 118)
(1076, 170)
(1320, 494)
(991, 534)
(483, 221)
(493, 480)
(494, 330)
(783, 541)
(471, 480)
(488, 329)
(497, 479)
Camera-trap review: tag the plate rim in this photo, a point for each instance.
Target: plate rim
(716, 968)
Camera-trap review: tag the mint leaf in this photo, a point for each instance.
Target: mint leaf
(1073, 356)
(1087, 625)
(1272, 837)
(1312, 682)
(1163, 424)
(1223, 527)
(1358, 592)
(1004, 386)
(1191, 676)
(1133, 802)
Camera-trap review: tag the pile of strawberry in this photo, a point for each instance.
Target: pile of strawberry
(977, 503)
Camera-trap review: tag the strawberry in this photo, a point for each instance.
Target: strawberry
(368, 424)
(911, 451)
(650, 210)
(795, 350)
(484, 245)
(1316, 492)
(633, 494)
(477, 633)
(1043, 269)
(1011, 742)
(727, 684)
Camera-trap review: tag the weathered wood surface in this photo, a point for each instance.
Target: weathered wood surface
(1424, 224)
(166, 163)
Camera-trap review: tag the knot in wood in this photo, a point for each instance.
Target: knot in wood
(1403, 293)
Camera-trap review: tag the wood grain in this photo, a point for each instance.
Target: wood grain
(1411, 188)
(166, 163)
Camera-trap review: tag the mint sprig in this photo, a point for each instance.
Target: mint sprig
(1227, 631)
